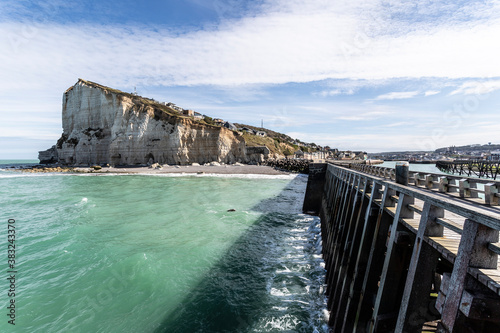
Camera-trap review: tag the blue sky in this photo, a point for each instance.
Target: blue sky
(374, 75)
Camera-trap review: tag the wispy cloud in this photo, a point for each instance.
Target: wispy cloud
(398, 124)
(334, 92)
(477, 87)
(397, 95)
(431, 92)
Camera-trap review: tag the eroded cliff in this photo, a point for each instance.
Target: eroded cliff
(106, 126)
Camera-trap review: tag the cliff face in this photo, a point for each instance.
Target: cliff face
(102, 125)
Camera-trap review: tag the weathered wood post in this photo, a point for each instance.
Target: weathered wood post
(341, 297)
(402, 173)
(443, 184)
(356, 284)
(490, 194)
(464, 188)
(472, 252)
(415, 299)
(429, 182)
(375, 261)
(394, 271)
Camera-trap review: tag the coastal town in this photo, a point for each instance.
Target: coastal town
(489, 152)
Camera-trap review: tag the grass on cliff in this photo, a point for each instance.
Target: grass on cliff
(275, 147)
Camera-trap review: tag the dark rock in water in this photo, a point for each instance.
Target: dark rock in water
(231, 210)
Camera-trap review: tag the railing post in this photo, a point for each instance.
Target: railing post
(443, 184)
(361, 261)
(423, 262)
(428, 182)
(375, 261)
(472, 252)
(402, 173)
(416, 177)
(342, 296)
(490, 194)
(463, 188)
(393, 272)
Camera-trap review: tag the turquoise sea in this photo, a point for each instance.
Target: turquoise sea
(143, 253)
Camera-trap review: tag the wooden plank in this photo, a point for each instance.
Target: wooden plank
(416, 209)
(411, 224)
(495, 247)
(390, 210)
(488, 277)
(449, 224)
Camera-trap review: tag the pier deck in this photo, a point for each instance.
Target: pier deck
(398, 257)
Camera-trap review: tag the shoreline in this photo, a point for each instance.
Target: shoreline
(242, 169)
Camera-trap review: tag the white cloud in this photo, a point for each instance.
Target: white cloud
(477, 87)
(398, 124)
(431, 92)
(398, 95)
(300, 42)
(335, 92)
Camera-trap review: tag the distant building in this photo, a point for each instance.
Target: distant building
(198, 116)
(495, 155)
(299, 154)
(261, 133)
(189, 113)
(231, 126)
(173, 106)
(248, 130)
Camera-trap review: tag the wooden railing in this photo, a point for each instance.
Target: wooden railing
(402, 257)
(474, 189)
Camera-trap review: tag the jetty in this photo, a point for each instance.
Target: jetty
(479, 168)
(417, 255)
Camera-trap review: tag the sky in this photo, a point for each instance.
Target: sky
(372, 75)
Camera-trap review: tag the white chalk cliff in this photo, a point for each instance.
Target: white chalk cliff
(106, 126)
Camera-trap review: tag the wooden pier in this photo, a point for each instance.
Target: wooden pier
(479, 168)
(414, 258)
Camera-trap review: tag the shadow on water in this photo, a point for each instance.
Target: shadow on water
(233, 295)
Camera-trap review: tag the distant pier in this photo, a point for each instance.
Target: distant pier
(479, 168)
(422, 257)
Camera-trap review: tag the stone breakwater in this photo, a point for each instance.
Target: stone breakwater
(106, 126)
(294, 165)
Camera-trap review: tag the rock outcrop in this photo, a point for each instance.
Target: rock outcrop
(106, 126)
(48, 156)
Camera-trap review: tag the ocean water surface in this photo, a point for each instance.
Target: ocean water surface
(135, 253)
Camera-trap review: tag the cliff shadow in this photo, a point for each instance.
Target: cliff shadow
(234, 294)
